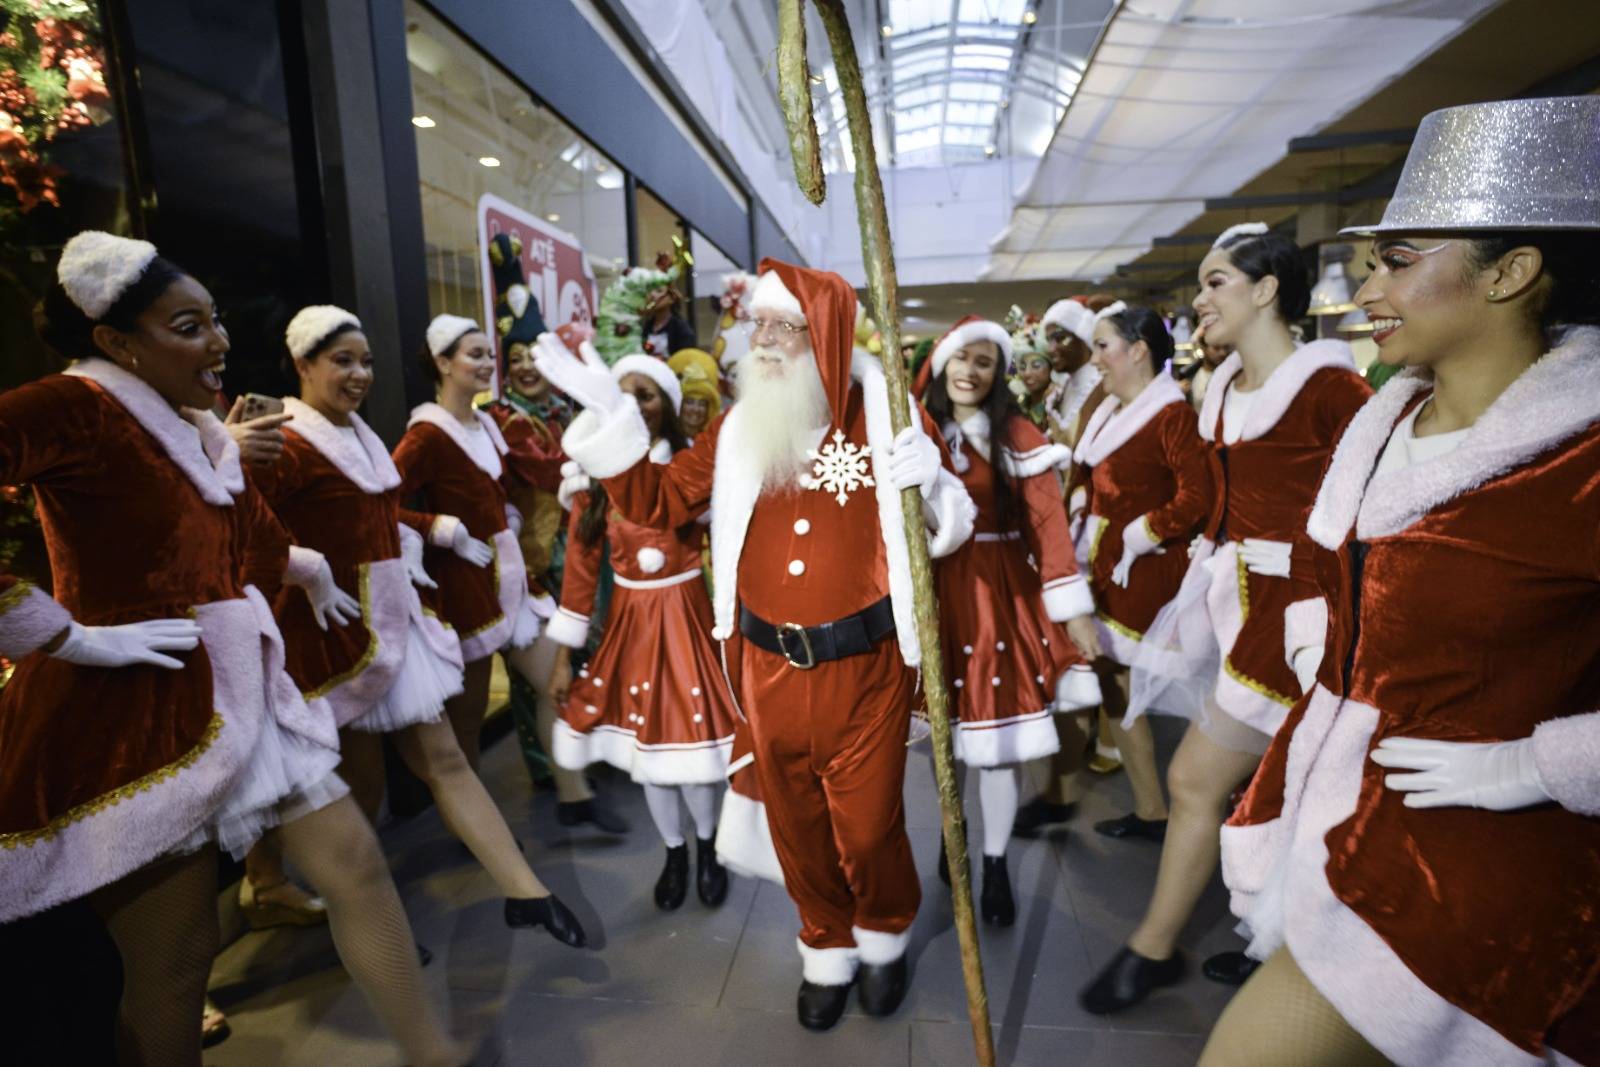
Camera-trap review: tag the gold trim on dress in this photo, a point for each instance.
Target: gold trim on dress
(10, 841)
(1094, 545)
(500, 616)
(1227, 662)
(364, 582)
(1112, 624)
(15, 595)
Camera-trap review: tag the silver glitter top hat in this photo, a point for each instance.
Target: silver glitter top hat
(1504, 165)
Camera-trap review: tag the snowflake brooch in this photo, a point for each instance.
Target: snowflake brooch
(840, 468)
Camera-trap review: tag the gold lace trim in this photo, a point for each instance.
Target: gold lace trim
(1094, 546)
(116, 796)
(1227, 663)
(371, 653)
(492, 623)
(1112, 624)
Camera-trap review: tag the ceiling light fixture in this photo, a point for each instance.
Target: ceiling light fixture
(1029, 17)
(423, 122)
(888, 30)
(553, 217)
(489, 161)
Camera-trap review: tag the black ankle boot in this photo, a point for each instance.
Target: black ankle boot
(673, 885)
(711, 877)
(1127, 980)
(1130, 825)
(548, 912)
(883, 986)
(821, 1006)
(1229, 968)
(998, 905)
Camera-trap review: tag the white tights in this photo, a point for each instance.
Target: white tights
(997, 798)
(663, 803)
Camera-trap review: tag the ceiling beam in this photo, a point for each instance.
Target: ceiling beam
(1181, 239)
(1324, 142)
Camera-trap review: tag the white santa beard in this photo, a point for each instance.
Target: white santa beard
(785, 407)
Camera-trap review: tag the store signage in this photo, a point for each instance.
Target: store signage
(554, 273)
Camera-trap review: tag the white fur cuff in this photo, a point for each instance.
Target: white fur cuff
(1567, 755)
(826, 966)
(1067, 598)
(442, 534)
(568, 628)
(1138, 538)
(29, 620)
(607, 443)
(950, 515)
(1305, 625)
(304, 564)
(878, 947)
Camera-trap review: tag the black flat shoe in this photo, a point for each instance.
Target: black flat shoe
(1229, 968)
(1127, 980)
(549, 913)
(821, 1006)
(1039, 814)
(673, 885)
(1130, 825)
(997, 904)
(882, 986)
(592, 812)
(424, 957)
(711, 877)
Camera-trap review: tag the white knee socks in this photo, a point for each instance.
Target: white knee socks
(997, 796)
(702, 801)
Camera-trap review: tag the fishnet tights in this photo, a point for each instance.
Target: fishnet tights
(1279, 1019)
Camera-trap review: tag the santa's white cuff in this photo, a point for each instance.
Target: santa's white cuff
(826, 966)
(1305, 625)
(442, 534)
(568, 628)
(304, 566)
(949, 513)
(605, 444)
(1067, 598)
(876, 947)
(29, 620)
(1566, 753)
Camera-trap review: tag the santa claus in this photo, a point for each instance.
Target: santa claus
(803, 477)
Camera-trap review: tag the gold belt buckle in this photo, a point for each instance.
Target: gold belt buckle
(805, 644)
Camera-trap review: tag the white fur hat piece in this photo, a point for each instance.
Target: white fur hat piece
(1072, 317)
(446, 330)
(1109, 310)
(654, 369)
(1241, 229)
(312, 325)
(96, 268)
(965, 333)
(772, 295)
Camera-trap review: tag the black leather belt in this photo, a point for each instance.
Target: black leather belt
(806, 646)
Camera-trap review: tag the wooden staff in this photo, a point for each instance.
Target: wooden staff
(794, 93)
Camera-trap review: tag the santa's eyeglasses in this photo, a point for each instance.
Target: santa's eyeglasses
(777, 328)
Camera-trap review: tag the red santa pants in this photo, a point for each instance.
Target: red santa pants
(830, 757)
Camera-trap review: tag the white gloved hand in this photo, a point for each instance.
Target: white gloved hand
(1498, 776)
(584, 377)
(1305, 663)
(328, 601)
(130, 643)
(573, 482)
(411, 555)
(1136, 542)
(1269, 558)
(476, 552)
(913, 461)
(513, 519)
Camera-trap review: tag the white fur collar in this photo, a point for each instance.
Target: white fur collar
(435, 415)
(661, 452)
(1104, 435)
(1071, 392)
(975, 432)
(196, 441)
(322, 435)
(1553, 400)
(1277, 393)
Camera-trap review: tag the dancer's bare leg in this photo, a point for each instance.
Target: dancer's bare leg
(534, 663)
(1137, 745)
(467, 709)
(361, 767)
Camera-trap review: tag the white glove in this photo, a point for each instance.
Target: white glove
(1305, 664)
(1136, 542)
(584, 377)
(1499, 776)
(513, 519)
(573, 482)
(1269, 558)
(913, 461)
(130, 643)
(476, 552)
(328, 601)
(411, 555)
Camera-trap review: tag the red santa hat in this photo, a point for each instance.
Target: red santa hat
(828, 304)
(968, 329)
(1073, 316)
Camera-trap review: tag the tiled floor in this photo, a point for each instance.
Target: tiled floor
(711, 987)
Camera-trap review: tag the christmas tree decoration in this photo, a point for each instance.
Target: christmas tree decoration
(640, 291)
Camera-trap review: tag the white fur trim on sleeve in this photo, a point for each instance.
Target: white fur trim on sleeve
(950, 514)
(877, 947)
(442, 534)
(1305, 625)
(304, 564)
(29, 620)
(1067, 598)
(1138, 538)
(568, 628)
(605, 444)
(1567, 753)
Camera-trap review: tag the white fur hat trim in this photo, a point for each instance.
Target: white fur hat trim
(312, 325)
(1243, 229)
(1072, 317)
(654, 369)
(964, 335)
(1109, 310)
(772, 295)
(446, 330)
(96, 268)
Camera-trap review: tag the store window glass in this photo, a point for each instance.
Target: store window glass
(480, 135)
(711, 265)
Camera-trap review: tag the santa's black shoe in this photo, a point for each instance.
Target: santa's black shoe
(821, 1006)
(673, 885)
(711, 877)
(999, 907)
(882, 986)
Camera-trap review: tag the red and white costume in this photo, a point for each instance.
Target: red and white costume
(337, 491)
(1003, 597)
(1456, 600)
(460, 477)
(653, 701)
(1144, 461)
(1218, 645)
(146, 515)
(829, 743)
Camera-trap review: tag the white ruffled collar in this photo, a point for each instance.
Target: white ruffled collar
(1105, 434)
